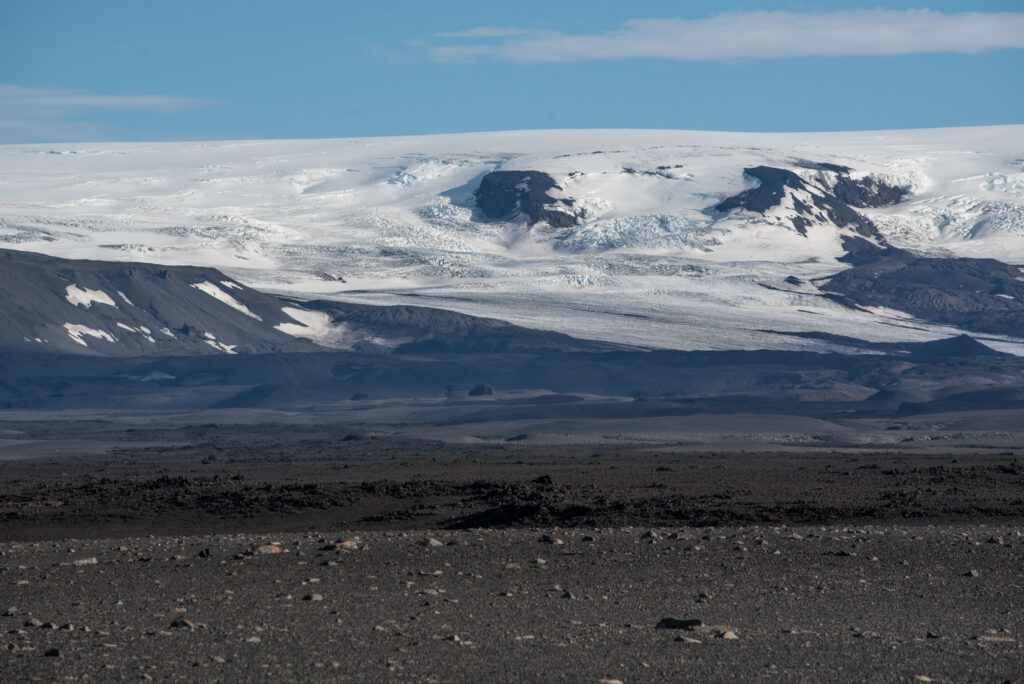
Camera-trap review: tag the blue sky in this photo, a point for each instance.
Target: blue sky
(254, 69)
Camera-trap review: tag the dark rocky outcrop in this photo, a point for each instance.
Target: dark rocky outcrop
(833, 194)
(509, 195)
(866, 192)
(982, 295)
(767, 193)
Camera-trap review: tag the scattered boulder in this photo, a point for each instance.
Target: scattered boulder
(267, 549)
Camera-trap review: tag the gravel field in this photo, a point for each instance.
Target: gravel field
(266, 555)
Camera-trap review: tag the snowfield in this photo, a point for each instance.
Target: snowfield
(393, 220)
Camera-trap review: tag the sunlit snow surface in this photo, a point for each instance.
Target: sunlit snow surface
(393, 217)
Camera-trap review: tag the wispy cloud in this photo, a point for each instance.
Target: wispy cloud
(49, 114)
(750, 35)
(485, 32)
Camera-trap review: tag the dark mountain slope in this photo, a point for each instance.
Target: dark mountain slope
(982, 295)
(133, 309)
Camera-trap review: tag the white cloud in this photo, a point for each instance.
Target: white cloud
(753, 35)
(485, 32)
(47, 114)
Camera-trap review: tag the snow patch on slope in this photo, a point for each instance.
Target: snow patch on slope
(141, 330)
(77, 332)
(223, 297)
(312, 325)
(85, 297)
(211, 339)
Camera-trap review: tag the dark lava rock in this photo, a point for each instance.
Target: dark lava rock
(481, 390)
(506, 195)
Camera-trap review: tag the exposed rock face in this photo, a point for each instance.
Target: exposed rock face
(866, 192)
(507, 195)
(982, 295)
(827, 197)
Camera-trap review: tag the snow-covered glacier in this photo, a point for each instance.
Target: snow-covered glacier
(634, 249)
